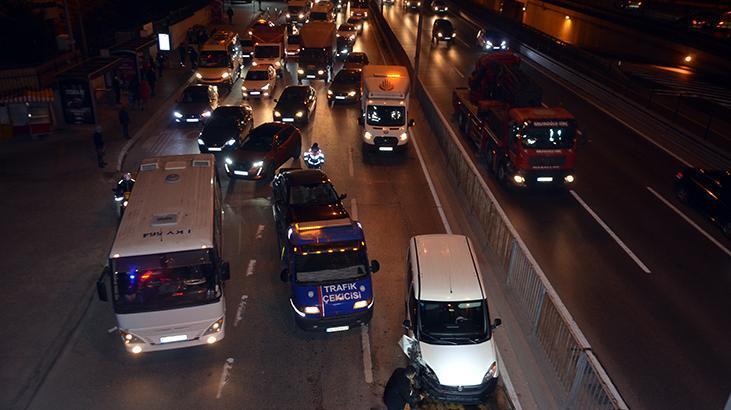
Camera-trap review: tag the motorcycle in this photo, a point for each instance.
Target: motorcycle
(314, 160)
(123, 201)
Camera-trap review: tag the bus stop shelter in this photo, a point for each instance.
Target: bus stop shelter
(133, 54)
(83, 86)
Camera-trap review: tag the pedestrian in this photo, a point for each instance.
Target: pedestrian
(124, 121)
(151, 78)
(230, 14)
(99, 146)
(144, 94)
(160, 63)
(193, 55)
(399, 389)
(117, 89)
(182, 52)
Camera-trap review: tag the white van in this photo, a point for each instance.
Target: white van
(448, 329)
(220, 61)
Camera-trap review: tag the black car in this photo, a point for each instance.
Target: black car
(296, 104)
(345, 87)
(708, 191)
(226, 128)
(343, 47)
(195, 104)
(442, 30)
(266, 148)
(489, 40)
(355, 60)
(411, 4)
(439, 7)
(304, 195)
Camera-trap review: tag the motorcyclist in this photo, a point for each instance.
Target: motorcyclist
(314, 157)
(124, 185)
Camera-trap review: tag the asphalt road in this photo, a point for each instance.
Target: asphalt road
(264, 361)
(657, 318)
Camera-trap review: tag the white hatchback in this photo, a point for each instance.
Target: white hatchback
(259, 82)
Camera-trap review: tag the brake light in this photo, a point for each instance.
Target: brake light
(679, 175)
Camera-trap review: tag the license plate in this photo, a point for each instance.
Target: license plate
(287, 119)
(213, 149)
(385, 148)
(171, 339)
(337, 329)
(191, 120)
(242, 173)
(544, 179)
(310, 76)
(255, 93)
(447, 38)
(339, 97)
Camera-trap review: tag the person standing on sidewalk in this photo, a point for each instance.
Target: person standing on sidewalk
(144, 94)
(117, 89)
(151, 78)
(230, 14)
(124, 121)
(160, 63)
(99, 146)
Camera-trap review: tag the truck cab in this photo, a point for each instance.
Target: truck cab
(323, 11)
(317, 51)
(220, 60)
(270, 45)
(384, 106)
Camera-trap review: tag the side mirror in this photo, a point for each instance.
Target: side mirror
(225, 271)
(412, 122)
(497, 323)
(341, 197)
(101, 285)
(408, 344)
(375, 266)
(361, 122)
(407, 324)
(284, 275)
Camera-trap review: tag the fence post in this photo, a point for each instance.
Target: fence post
(578, 379)
(539, 309)
(511, 264)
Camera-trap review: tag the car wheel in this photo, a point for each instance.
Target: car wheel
(682, 194)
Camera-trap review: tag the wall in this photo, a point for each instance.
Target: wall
(179, 29)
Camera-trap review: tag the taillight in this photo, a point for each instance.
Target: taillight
(679, 175)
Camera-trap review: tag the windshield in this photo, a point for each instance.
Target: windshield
(347, 77)
(257, 75)
(359, 5)
(454, 322)
(266, 51)
(327, 267)
(319, 194)
(247, 42)
(214, 59)
(258, 143)
(386, 116)
(293, 39)
(195, 94)
(313, 54)
(556, 135)
(294, 95)
(294, 9)
(318, 15)
(158, 282)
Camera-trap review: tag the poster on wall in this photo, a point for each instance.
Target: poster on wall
(76, 101)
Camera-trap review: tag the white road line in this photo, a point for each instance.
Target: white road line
(457, 70)
(259, 231)
(366, 348)
(225, 375)
(354, 209)
(429, 182)
(610, 232)
(240, 310)
(467, 46)
(350, 162)
(693, 224)
(250, 268)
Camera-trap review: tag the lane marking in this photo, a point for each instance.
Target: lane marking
(457, 70)
(351, 171)
(225, 376)
(354, 209)
(467, 46)
(240, 309)
(250, 268)
(259, 231)
(429, 182)
(366, 350)
(610, 232)
(690, 221)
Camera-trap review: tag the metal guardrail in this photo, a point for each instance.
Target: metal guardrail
(585, 383)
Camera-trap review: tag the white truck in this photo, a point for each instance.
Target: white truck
(270, 45)
(385, 107)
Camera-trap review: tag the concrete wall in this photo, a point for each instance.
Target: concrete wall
(179, 29)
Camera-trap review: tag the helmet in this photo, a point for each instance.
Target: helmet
(127, 176)
(315, 147)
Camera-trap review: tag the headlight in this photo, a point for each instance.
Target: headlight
(454, 34)
(243, 88)
(229, 161)
(446, 8)
(288, 15)
(232, 141)
(277, 114)
(254, 64)
(337, 35)
(124, 204)
(519, 179)
(329, 92)
(301, 15)
(277, 64)
(300, 71)
(266, 86)
(488, 44)
(368, 136)
(360, 304)
(257, 164)
(312, 310)
(216, 327)
(225, 74)
(491, 372)
(439, 34)
(201, 142)
(343, 51)
(177, 114)
(404, 136)
(352, 93)
(198, 76)
(352, 37)
(299, 114)
(129, 338)
(206, 114)
(320, 72)
(568, 178)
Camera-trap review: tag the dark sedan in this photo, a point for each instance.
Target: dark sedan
(439, 7)
(343, 47)
(709, 192)
(226, 128)
(196, 104)
(296, 104)
(304, 195)
(442, 30)
(489, 40)
(345, 87)
(265, 149)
